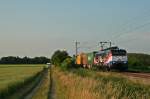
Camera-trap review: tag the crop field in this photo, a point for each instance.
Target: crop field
(10, 74)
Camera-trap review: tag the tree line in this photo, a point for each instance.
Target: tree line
(139, 62)
(24, 60)
(138, 59)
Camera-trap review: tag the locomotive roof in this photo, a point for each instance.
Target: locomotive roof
(110, 48)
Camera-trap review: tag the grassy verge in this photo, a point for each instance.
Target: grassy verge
(117, 87)
(87, 84)
(70, 86)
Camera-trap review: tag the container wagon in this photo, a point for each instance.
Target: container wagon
(86, 59)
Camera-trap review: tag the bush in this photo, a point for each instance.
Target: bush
(67, 63)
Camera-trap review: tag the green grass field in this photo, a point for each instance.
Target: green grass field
(10, 74)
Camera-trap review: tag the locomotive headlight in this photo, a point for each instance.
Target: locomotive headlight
(114, 62)
(124, 62)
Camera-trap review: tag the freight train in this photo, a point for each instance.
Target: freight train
(109, 58)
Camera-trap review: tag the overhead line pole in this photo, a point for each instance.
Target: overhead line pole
(76, 47)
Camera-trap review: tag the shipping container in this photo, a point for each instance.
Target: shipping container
(91, 57)
(84, 59)
(78, 59)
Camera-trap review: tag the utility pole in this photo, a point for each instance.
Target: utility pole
(76, 47)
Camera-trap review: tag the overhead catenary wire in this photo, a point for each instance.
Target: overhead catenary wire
(119, 35)
(124, 31)
(130, 22)
(131, 30)
(127, 31)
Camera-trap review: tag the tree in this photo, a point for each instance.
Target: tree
(58, 57)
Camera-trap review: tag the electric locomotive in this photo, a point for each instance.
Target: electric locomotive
(112, 58)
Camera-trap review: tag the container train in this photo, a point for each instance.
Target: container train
(109, 58)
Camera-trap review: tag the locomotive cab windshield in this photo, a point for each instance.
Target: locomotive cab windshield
(119, 52)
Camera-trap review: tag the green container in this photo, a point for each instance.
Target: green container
(91, 58)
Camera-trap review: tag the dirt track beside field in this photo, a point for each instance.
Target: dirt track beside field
(34, 90)
(138, 75)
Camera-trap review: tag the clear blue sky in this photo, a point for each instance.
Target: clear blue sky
(39, 27)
